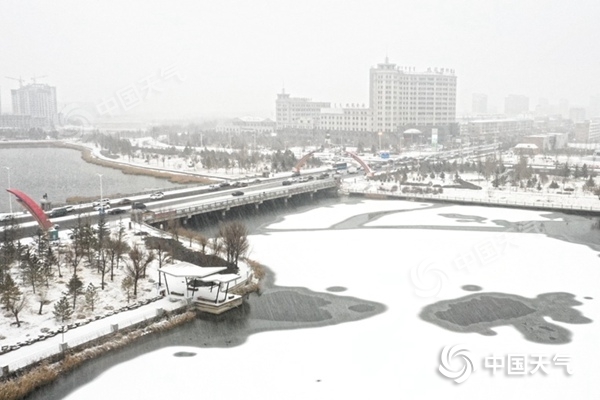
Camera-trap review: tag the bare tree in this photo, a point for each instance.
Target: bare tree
(203, 240)
(136, 268)
(42, 297)
(235, 240)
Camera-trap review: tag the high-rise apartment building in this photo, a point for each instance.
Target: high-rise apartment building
(36, 100)
(401, 97)
(515, 104)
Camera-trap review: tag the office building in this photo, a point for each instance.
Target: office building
(400, 97)
(297, 112)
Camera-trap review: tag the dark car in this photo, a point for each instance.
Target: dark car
(124, 202)
(116, 211)
(58, 212)
(138, 206)
(237, 193)
(323, 175)
(224, 184)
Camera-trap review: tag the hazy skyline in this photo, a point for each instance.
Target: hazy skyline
(231, 58)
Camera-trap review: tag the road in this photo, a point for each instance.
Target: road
(179, 198)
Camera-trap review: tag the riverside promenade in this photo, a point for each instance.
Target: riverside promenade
(572, 203)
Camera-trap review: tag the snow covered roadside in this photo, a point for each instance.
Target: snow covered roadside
(550, 199)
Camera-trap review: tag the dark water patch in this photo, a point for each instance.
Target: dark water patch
(275, 308)
(287, 305)
(362, 308)
(478, 313)
(336, 289)
(184, 354)
(472, 288)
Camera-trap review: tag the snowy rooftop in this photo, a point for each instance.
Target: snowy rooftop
(185, 269)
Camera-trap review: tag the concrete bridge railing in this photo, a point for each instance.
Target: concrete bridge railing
(256, 198)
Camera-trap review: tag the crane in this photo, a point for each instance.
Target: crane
(20, 80)
(33, 78)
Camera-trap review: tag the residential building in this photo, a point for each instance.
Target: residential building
(587, 131)
(490, 130)
(547, 141)
(36, 100)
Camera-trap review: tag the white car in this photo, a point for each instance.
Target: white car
(100, 207)
(157, 195)
(99, 202)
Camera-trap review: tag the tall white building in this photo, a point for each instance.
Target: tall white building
(36, 100)
(401, 96)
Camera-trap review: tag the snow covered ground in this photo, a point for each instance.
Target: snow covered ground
(396, 353)
(110, 300)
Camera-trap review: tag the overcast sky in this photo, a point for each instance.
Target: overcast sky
(202, 59)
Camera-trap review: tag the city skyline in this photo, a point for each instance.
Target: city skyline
(195, 60)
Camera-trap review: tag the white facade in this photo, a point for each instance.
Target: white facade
(297, 112)
(355, 119)
(400, 96)
(247, 125)
(594, 133)
(497, 128)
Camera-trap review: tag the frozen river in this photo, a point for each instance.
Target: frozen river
(387, 298)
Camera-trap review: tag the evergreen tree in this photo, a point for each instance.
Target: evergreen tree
(11, 297)
(62, 310)
(584, 171)
(74, 288)
(91, 296)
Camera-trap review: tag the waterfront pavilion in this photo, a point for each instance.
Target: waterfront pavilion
(187, 271)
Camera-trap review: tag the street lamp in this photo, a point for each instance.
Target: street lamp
(100, 175)
(9, 196)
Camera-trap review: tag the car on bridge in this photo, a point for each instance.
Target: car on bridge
(157, 195)
(97, 203)
(237, 193)
(289, 181)
(124, 202)
(102, 207)
(116, 211)
(138, 206)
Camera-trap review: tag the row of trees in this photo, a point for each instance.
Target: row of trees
(35, 268)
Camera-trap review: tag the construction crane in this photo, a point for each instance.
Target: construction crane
(20, 80)
(33, 78)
